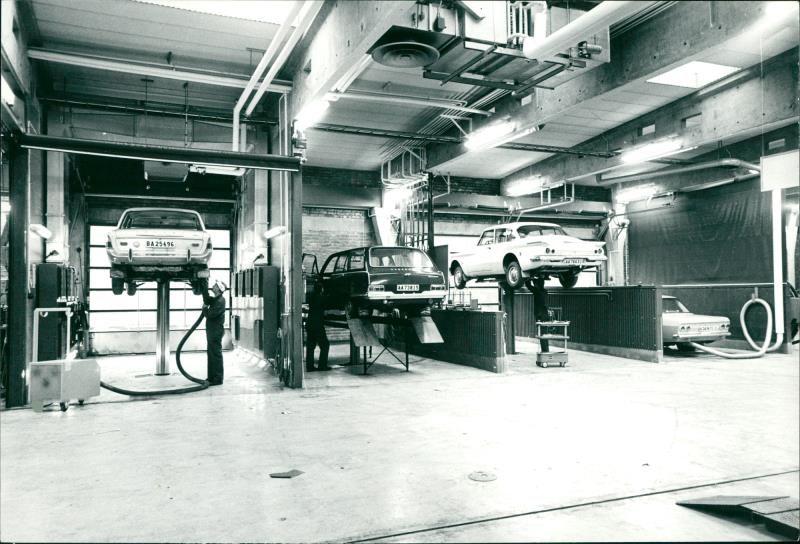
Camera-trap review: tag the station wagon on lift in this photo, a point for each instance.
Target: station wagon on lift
(382, 278)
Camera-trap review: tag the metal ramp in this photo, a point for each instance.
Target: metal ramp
(426, 329)
(779, 514)
(363, 337)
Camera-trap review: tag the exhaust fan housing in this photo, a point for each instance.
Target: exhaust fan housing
(403, 47)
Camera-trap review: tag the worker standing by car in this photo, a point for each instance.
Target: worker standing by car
(315, 329)
(540, 311)
(214, 310)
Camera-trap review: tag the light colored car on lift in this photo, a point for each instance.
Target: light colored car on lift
(679, 326)
(515, 252)
(157, 243)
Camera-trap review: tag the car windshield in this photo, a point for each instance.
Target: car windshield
(399, 257)
(160, 219)
(539, 230)
(673, 306)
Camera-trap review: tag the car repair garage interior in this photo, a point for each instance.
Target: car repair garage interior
(400, 271)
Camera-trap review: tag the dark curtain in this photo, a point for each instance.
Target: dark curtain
(712, 236)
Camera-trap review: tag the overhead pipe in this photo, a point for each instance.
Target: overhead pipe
(734, 163)
(588, 24)
(312, 9)
(262, 65)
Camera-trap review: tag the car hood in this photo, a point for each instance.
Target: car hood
(681, 318)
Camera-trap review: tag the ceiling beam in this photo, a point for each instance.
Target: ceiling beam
(341, 42)
(672, 38)
(761, 103)
(148, 69)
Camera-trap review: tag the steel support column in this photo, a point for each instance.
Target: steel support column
(162, 328)
(295, 273)
(18, 337)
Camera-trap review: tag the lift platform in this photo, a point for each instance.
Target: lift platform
(363, 336)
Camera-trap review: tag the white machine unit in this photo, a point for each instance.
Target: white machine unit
(63, 380)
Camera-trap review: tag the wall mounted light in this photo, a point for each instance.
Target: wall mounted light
(275, 232)
(41, 231)
(311, 114)
(633, 194)
(215, 169)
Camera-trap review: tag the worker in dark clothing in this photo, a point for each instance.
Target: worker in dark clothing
(540, 312)
(214, 310)
(315, 330)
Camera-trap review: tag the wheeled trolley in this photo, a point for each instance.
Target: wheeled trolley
(555, 330)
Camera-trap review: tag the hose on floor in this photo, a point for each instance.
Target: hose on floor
(760, 350)
(201, 384)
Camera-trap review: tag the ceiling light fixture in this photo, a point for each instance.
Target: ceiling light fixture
(215, 169)
(493, 135)
(7, 93)
(655, 150)
(780, 8)
(311, 114)
(694, 74)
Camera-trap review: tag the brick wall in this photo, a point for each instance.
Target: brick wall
(328, 230)
(315, 175)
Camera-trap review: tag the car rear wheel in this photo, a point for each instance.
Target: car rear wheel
(199, 287)
(685, 347)
(352, 309)
(459, 278)
(568, 279)
(117, 286)
(131, 288)
(514, 277)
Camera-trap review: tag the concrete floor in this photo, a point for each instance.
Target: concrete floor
(597, 451)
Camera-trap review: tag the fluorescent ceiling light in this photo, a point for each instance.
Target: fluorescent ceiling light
(533, 184)
(648, 152)
(642, 192)
(7, 93)
(264, 11)
(780, 8)
(490, 136)
(694, 74)
(217, 170)
(311, 114)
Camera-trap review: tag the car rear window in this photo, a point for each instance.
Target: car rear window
(539, 230)
(160, 219)
(673, 306)
(399, 257)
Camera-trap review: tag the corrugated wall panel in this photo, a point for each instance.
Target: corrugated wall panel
(626, 317)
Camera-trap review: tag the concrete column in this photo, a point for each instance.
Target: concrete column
(55, 216)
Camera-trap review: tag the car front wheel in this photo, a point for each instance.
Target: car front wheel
(514, 277)
(131, 288)
(568, 279)
(459, 278)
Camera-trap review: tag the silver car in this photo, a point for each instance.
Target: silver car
(680, 326)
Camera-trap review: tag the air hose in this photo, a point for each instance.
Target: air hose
(760, 350)
(202, 384)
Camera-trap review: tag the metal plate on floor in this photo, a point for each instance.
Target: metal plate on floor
(786, 520)
(774, 506)
(482, 476)
(728, 500)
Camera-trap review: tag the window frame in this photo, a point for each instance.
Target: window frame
(488, 235)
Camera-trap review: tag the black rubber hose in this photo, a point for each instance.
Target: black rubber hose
(202, 384)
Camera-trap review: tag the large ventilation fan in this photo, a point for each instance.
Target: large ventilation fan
(403, 47)
(405, 54)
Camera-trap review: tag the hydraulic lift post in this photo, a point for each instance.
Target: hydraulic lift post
(162, 328)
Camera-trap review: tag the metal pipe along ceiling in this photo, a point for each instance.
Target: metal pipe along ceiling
(682, 170)
(262, 65)
(307, 17)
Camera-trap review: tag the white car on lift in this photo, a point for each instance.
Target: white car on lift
(158, 243)
(514, 252)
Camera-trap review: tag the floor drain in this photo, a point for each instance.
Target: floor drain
(481, 476)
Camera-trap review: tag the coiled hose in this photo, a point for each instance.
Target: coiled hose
(202, 384)
(760, 350)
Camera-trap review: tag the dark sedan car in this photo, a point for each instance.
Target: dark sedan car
(381, 277)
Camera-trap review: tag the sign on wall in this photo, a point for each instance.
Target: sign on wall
(780, 171)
